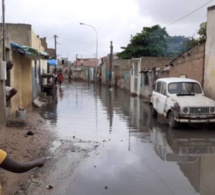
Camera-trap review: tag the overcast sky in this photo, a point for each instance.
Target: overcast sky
(114, 20)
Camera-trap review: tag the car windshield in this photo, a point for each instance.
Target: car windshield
(184, 88)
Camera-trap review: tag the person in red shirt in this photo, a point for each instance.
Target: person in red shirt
(60, 78)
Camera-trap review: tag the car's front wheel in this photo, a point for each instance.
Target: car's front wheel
(171, 121)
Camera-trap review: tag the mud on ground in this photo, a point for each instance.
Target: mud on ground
(22, 147)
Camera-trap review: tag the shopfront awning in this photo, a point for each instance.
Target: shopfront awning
(52, 62)
(29, 51)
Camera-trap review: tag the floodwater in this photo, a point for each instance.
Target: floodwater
(135, 154)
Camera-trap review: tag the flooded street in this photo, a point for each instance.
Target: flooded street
(109, 145)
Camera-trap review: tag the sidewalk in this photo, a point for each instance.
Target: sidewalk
(22, 147)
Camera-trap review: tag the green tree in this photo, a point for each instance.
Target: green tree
(151, 41)
(202, 36)
(202, 31)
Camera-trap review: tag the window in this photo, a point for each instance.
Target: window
(163, 89)
(135, 69)
(184, 88)
(158, 87)
(146, 77)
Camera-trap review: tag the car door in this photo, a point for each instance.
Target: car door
(162, 98)
(156, 95)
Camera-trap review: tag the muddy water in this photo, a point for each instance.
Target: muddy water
(134, 153)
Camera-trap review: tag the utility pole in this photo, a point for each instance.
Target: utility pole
(111, 62)
(2, 82)
(3, 30)
(76, 63)
(55, 47)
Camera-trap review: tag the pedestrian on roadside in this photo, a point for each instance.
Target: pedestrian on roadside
(10, 91)
(17, 167)
(60, 78)
(55, 77)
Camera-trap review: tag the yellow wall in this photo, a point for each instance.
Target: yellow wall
(21, 80)
(21, 74)
(36, 44)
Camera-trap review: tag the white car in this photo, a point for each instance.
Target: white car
(181, 100)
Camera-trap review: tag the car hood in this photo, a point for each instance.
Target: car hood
(193, 101)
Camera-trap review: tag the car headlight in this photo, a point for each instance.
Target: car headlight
(185, 110)
(212, 110)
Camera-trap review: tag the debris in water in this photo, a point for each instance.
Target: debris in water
(106, 187)
(47, 157)
(49, 187)
(73, 137)
(29, 133)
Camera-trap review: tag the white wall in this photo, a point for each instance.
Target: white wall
(209, 76)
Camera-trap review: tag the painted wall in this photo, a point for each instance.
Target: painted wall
(210, 55)
(135, 76)
(21, 79)
(20, 75)
(38, 66)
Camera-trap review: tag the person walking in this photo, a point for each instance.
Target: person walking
(60, 78)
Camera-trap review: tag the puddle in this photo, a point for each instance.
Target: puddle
(131, 152)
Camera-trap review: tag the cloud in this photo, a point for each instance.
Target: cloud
(114, 20)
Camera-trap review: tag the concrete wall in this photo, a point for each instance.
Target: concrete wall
(148, 77)
(154, 62)
(105, 71)
(189, 64)
(121, 76)
(210, 55)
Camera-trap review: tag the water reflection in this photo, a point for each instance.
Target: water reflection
(192, 149)
(139, 154)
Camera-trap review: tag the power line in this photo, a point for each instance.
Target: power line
(190, 13)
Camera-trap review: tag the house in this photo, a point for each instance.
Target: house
(24, 48)
(85, 68)
(120, 74)
(141, 81)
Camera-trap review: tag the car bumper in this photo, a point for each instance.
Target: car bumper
(199, 120)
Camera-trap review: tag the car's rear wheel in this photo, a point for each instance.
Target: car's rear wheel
(153, 111)
(171, 121)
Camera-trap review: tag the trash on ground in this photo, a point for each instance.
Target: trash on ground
(29, 133)
(49, 187)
